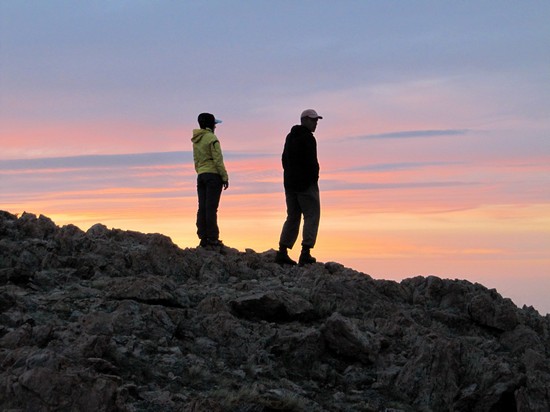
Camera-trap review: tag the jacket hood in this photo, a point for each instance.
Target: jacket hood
(198, 134)
(300, 130)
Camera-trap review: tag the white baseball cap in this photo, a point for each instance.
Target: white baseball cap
(310, 113)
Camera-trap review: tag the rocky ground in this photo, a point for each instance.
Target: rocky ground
(111, 320)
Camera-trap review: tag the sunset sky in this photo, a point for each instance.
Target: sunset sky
(434, 147)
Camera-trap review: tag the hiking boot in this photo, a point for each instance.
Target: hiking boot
(306, 258)
(214, 243)
(282, 258)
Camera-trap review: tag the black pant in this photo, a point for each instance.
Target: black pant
(209, 190)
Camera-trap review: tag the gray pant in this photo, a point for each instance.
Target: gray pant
(305, 203)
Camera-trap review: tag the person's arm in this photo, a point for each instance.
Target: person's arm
(217, 157)
(310, 162)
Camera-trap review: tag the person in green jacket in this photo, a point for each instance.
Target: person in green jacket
(211, 178)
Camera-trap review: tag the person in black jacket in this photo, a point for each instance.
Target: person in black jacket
(301, 177)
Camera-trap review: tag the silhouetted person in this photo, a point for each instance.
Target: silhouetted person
(212, 177)
(301, 177)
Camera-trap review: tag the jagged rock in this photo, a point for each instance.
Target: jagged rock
(491, 311)
(272, 306)
(344, 338)
(113, 320)
(148, 289)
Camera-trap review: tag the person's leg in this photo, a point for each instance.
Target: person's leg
(311, 207)
(201, 212)
(291, 227)
(290, 230)
(214, 187)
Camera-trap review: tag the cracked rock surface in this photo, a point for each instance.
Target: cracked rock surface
(112, 320)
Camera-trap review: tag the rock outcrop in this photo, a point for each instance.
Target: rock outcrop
(112, 320)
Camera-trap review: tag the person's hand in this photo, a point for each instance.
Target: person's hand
(225, 185)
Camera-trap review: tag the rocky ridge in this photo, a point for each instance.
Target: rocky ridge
(112, 320)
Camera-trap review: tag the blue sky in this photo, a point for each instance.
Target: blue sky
(162, 59)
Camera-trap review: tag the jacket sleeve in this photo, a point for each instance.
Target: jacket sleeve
(310, 161)
(217, 157)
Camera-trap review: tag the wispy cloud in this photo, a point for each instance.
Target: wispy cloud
(153, 174)
(114, 160)
(382, 167)
(97, 161)
(342, 185)
(414, 134)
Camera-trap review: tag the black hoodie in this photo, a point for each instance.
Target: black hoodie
(301, 168)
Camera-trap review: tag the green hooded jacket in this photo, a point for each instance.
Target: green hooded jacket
(207, 153)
